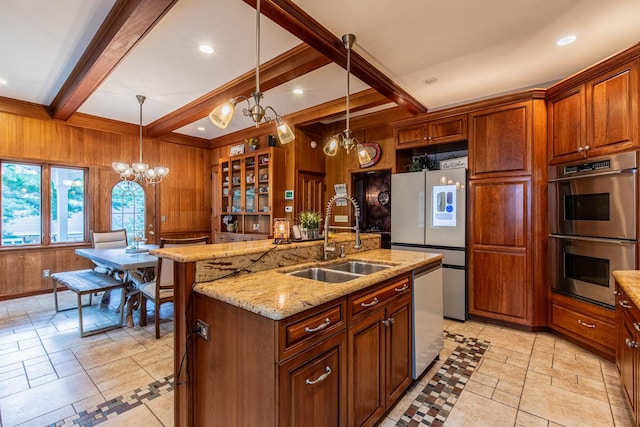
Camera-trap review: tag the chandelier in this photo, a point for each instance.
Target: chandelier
(222, 114)
(140, 172)
(344, 139)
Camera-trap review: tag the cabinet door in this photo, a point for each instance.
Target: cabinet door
(410, 136)
(313, 387)
(448, 129)
(566, 119)
(612, 110)
(500, 140)
(366, 364)
(627, 357)
(398, 349)
(500, 281)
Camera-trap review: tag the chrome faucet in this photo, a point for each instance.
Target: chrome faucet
(356, 211)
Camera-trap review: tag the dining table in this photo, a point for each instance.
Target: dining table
(138, 265)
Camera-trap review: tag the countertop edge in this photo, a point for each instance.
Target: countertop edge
(629, 280)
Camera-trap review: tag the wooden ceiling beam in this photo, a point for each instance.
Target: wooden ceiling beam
(288, 66)
(126, 24)
(295, 20)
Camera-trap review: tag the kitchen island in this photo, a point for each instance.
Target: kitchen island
(262, 347)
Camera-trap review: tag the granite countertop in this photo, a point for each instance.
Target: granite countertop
(275, 295)
(630, 282)
(226, 250)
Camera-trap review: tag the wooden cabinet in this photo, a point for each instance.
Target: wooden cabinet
(627, 352)
(590, 325)
(342, 363)
(312, 392)
(432, 131)
(379, 350)
(596, 117)
(501, 140)
(507, 210)
(257, 371)
(251, 192)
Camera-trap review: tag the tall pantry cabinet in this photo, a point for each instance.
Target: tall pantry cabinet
(508, 209)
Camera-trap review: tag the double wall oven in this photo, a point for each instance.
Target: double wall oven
(593, 225)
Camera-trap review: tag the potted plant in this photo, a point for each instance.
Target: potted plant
(309, 223)
(253, 143)
(230, 222)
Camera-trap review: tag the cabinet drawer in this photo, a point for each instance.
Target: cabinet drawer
(585, 326)
(311, 328)
(376, 297)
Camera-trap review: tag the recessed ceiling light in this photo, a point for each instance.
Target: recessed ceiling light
(298, 91)
(200, 129)
(430, 80)
(563, 41)
(206, 49)
(2, 81)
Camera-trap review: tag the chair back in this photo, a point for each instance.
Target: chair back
(109, 239)
(164, 276)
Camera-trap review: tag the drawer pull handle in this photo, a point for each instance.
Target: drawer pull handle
(631, 343)
(322, 377)
(320, 327)
(404, 288)
(586, 325)
(616, 293)
(388, 322)
(371, 304)
(624, 304)
(636, 326)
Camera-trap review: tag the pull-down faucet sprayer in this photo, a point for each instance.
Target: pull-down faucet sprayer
(356, 213)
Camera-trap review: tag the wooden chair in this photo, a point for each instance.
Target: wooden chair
(107, 240)
(161, 289)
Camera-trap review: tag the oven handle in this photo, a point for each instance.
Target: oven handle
(593, 239)
(616, 172)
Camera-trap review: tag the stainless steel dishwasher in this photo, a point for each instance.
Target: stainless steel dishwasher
(428, 320)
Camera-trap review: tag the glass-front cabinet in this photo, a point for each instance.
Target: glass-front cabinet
(251, 192)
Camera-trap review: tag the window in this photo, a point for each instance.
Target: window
(127, 209)
(25, 220)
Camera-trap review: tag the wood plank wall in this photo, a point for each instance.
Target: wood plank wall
(183, 198)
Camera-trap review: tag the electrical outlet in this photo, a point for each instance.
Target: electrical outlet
(46, 274)
(202, 329)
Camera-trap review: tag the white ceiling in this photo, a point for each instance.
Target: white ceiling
(475, 49)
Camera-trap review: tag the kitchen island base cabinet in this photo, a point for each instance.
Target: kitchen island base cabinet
(345, 362)
(379, 351)
(627, 349)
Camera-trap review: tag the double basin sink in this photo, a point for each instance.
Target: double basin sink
(340, 272)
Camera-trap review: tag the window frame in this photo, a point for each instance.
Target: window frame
(46, 203)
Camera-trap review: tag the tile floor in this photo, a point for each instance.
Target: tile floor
(486, 376)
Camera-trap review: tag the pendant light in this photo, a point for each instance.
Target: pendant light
(344, 139)
(222, 114)
(139, 171)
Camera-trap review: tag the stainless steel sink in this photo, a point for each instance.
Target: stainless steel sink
(358, 267)
(324, 275)
(340, 272)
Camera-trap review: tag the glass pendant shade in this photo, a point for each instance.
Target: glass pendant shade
(285, 134)
(331, 147)
(223, 113)
(119, 167)
(140, 167)
(363, 155)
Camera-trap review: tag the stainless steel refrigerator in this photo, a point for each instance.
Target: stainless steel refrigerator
(428, 213)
